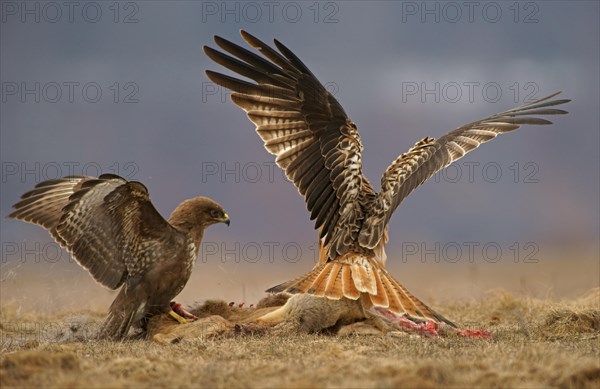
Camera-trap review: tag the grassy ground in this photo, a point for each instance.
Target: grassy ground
(537, 343)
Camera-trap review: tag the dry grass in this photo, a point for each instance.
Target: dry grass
(537, 343)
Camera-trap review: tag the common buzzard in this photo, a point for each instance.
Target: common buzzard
(112, 229)
(319, 148)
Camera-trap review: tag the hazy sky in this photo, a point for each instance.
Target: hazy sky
(91, 87)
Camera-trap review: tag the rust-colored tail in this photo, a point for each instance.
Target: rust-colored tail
(353, 275)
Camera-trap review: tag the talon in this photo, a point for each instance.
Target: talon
(181, 311)
(241, 305)
(181, 320)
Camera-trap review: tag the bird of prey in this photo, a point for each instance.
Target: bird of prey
(111, 228)
(319, 148)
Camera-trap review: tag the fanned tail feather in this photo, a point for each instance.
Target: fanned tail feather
(349, 290)
(353, 275)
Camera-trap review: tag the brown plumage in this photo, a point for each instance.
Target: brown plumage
(111, 228)
(319, 148)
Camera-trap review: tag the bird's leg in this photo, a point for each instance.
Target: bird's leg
(180, 314)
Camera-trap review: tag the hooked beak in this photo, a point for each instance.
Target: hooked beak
(225, 219)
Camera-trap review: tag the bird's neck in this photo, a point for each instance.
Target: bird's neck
(194, 231)
(196, 235)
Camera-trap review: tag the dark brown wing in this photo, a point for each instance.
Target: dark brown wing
(305, 127)
(430, 155)
(107, 223)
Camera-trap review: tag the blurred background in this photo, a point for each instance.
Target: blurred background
(119, 87)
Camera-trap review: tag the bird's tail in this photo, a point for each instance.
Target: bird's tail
(354, 275)
(123, 312)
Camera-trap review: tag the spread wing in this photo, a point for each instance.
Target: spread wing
(305, 127)
(429, 155)
(107, 223)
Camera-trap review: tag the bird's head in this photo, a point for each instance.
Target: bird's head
(198, 213)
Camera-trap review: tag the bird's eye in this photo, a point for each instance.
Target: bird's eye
(216, 214)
